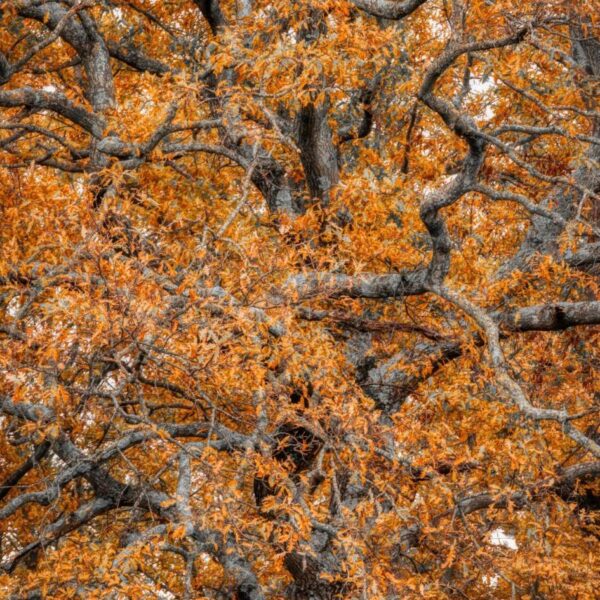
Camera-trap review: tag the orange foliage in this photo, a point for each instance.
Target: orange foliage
(299, 301)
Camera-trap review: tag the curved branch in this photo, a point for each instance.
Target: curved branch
(56, 102)
(389, 9)
(82, 34)
(502, 372)
(562, 485)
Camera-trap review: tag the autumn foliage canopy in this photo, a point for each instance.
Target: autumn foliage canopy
(299, 299)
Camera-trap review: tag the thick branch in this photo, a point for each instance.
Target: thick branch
(367, 285)
(81, 33)
(586, 258)
(133, 57)
(389, 9)
(54, 101)
(317, 152)
(211, 11)
(553, 317)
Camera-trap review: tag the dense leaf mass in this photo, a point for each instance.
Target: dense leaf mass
(299, 299)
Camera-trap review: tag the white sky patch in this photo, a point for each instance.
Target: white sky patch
(12, 308)
(88, 417)
(491, 581)
(50, 88)
(479, 86)
(499, 537)
(111, 383)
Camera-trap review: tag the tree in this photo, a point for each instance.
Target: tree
(299, 299)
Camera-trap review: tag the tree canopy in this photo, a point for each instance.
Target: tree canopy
(299, 299)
